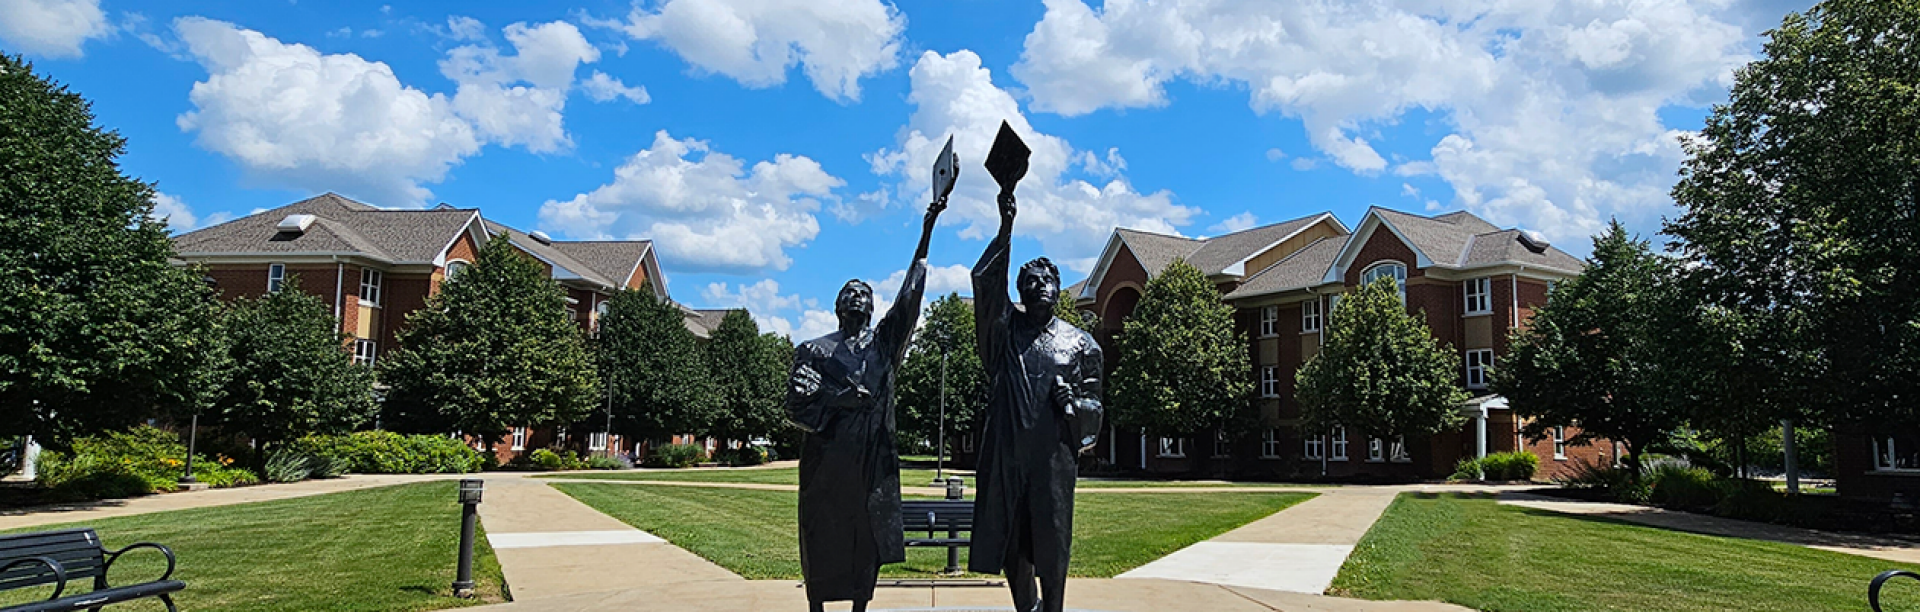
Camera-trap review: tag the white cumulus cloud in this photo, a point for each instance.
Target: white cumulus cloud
(707, 210)
(603, 88)
(51, 28)
(1552, 105)
(804, 319)
(1070, 215)
(179, 216)
(518, 99)
(756, 42)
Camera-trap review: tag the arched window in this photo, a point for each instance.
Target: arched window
(455, 267)
(1388, 269)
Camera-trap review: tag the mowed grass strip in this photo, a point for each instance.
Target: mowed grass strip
(386, 549)
(908, 477)
(755, 533)
(1471, 551)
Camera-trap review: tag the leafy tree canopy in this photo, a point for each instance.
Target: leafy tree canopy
(493, 349)
(948, 330)
(290, 374)
(1801, 205)
(97, 331)
(1183, 366)
(661, 384)
(749, 370)
(1380, 370)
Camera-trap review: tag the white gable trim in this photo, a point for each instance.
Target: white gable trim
(479, 238)
(1092, 288)
(1239, 268)
(1358, 240)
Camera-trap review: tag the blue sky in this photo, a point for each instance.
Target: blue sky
(775, 149)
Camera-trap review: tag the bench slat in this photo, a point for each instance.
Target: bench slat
(78, 552)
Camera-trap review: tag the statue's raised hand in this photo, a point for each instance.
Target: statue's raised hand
(1008, 209)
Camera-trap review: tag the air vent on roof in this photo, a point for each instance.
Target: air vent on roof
(295, 224)
(541, 237)
(1534, 241)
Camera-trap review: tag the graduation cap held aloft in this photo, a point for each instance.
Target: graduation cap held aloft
(946, 170)
(1007, 160)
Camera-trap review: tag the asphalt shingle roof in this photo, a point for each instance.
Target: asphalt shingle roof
(340, 226)
(614, 260)
(1304, 268)
(1462, 240)
(1215, 254)
(1155, 251)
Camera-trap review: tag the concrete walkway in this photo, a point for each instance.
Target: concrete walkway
(1866, 545)
(93, 511)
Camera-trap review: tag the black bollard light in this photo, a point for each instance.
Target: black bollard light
(470, 489)
(956, 488)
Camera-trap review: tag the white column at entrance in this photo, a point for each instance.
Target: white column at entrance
(1480, 434)
(29, 457)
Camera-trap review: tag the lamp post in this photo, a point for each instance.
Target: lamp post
(470, 489)
(940, 452)
(187, 481)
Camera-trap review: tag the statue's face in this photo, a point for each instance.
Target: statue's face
(1038, 288)
(855, 305)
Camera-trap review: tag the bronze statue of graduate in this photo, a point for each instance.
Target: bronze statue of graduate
(841, 394)
(1043, 410)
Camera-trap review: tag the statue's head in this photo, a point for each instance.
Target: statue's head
(1039, 284)
(855, 305)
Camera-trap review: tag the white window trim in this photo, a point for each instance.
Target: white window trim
(519, 439)
(365, 351)
(1560, 443)
(448, 270)
(1376, 450)
(276, 277)
(1312, 447)
(372, 282)
(1173, 448)
(1269, 321)
(1311, 319)
(1486, 361)
(966, 443)
(1270, 444)
(1399, 281)
(1484, 295)
(1884, 461)
(1270, 381)
(597, 441)
(1338, 443)
(1398, 452)
(1222, 445)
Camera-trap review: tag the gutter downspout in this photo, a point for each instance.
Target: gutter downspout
(1513, 319)
(339, 273)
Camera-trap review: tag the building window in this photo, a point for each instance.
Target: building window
(1270, 444)
(454, 268)
(1376, 449)
(519, 439)
(1478, 360)
(1173, 448)
(1560, 442)
(1393, 270)
(1339, 438)
(1896, 453)
(1269, 321)
(1310, 316)
(966, 443)
(1222, 446)
(1269, 381)
(597, 441)
(1314, 447)
(573, 314)
(276, 276)
(370, 281)
(1398, 452)
(1479, 296)
(364, 351)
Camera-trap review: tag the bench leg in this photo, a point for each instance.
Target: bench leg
(168, 599)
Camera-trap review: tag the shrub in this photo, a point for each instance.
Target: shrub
(675, 455)
(615, 462)
(1613, 483)
(385, 452)
(139, 461)
(1678, 486)
(1498, 466)
(745, 455)
(546, 459)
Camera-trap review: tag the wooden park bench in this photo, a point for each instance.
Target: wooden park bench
(58, 557)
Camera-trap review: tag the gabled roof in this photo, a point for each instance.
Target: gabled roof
(615, 260)
(1304, 268)
(702, 321)
(1226, 254)
(1457, 240)
(341, 227)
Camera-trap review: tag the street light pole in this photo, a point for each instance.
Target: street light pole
(940, 453)
(193, 432)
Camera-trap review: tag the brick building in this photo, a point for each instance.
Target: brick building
(1473, 282)
(376, 265)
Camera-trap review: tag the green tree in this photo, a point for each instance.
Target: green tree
(97, 331)
(1183, 367)
(659, 380)
(749, 372)
(1596, 355)
(1799, 202)
(290, 374)
(948, 330)
(493, 349)
(1065, 310)
(1380, 370)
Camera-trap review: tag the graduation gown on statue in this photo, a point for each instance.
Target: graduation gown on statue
(849, 469)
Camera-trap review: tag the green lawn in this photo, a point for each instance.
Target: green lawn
(908, 477)
(1470, 551)
(390, 548)
(753, 532)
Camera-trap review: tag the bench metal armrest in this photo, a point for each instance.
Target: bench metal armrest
(59, 572)
(1873, 590)
(115, 555)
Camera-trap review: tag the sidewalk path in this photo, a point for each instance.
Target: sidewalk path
(550, 544)
(1866, 545)
(35, 516)
(1298, 550)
